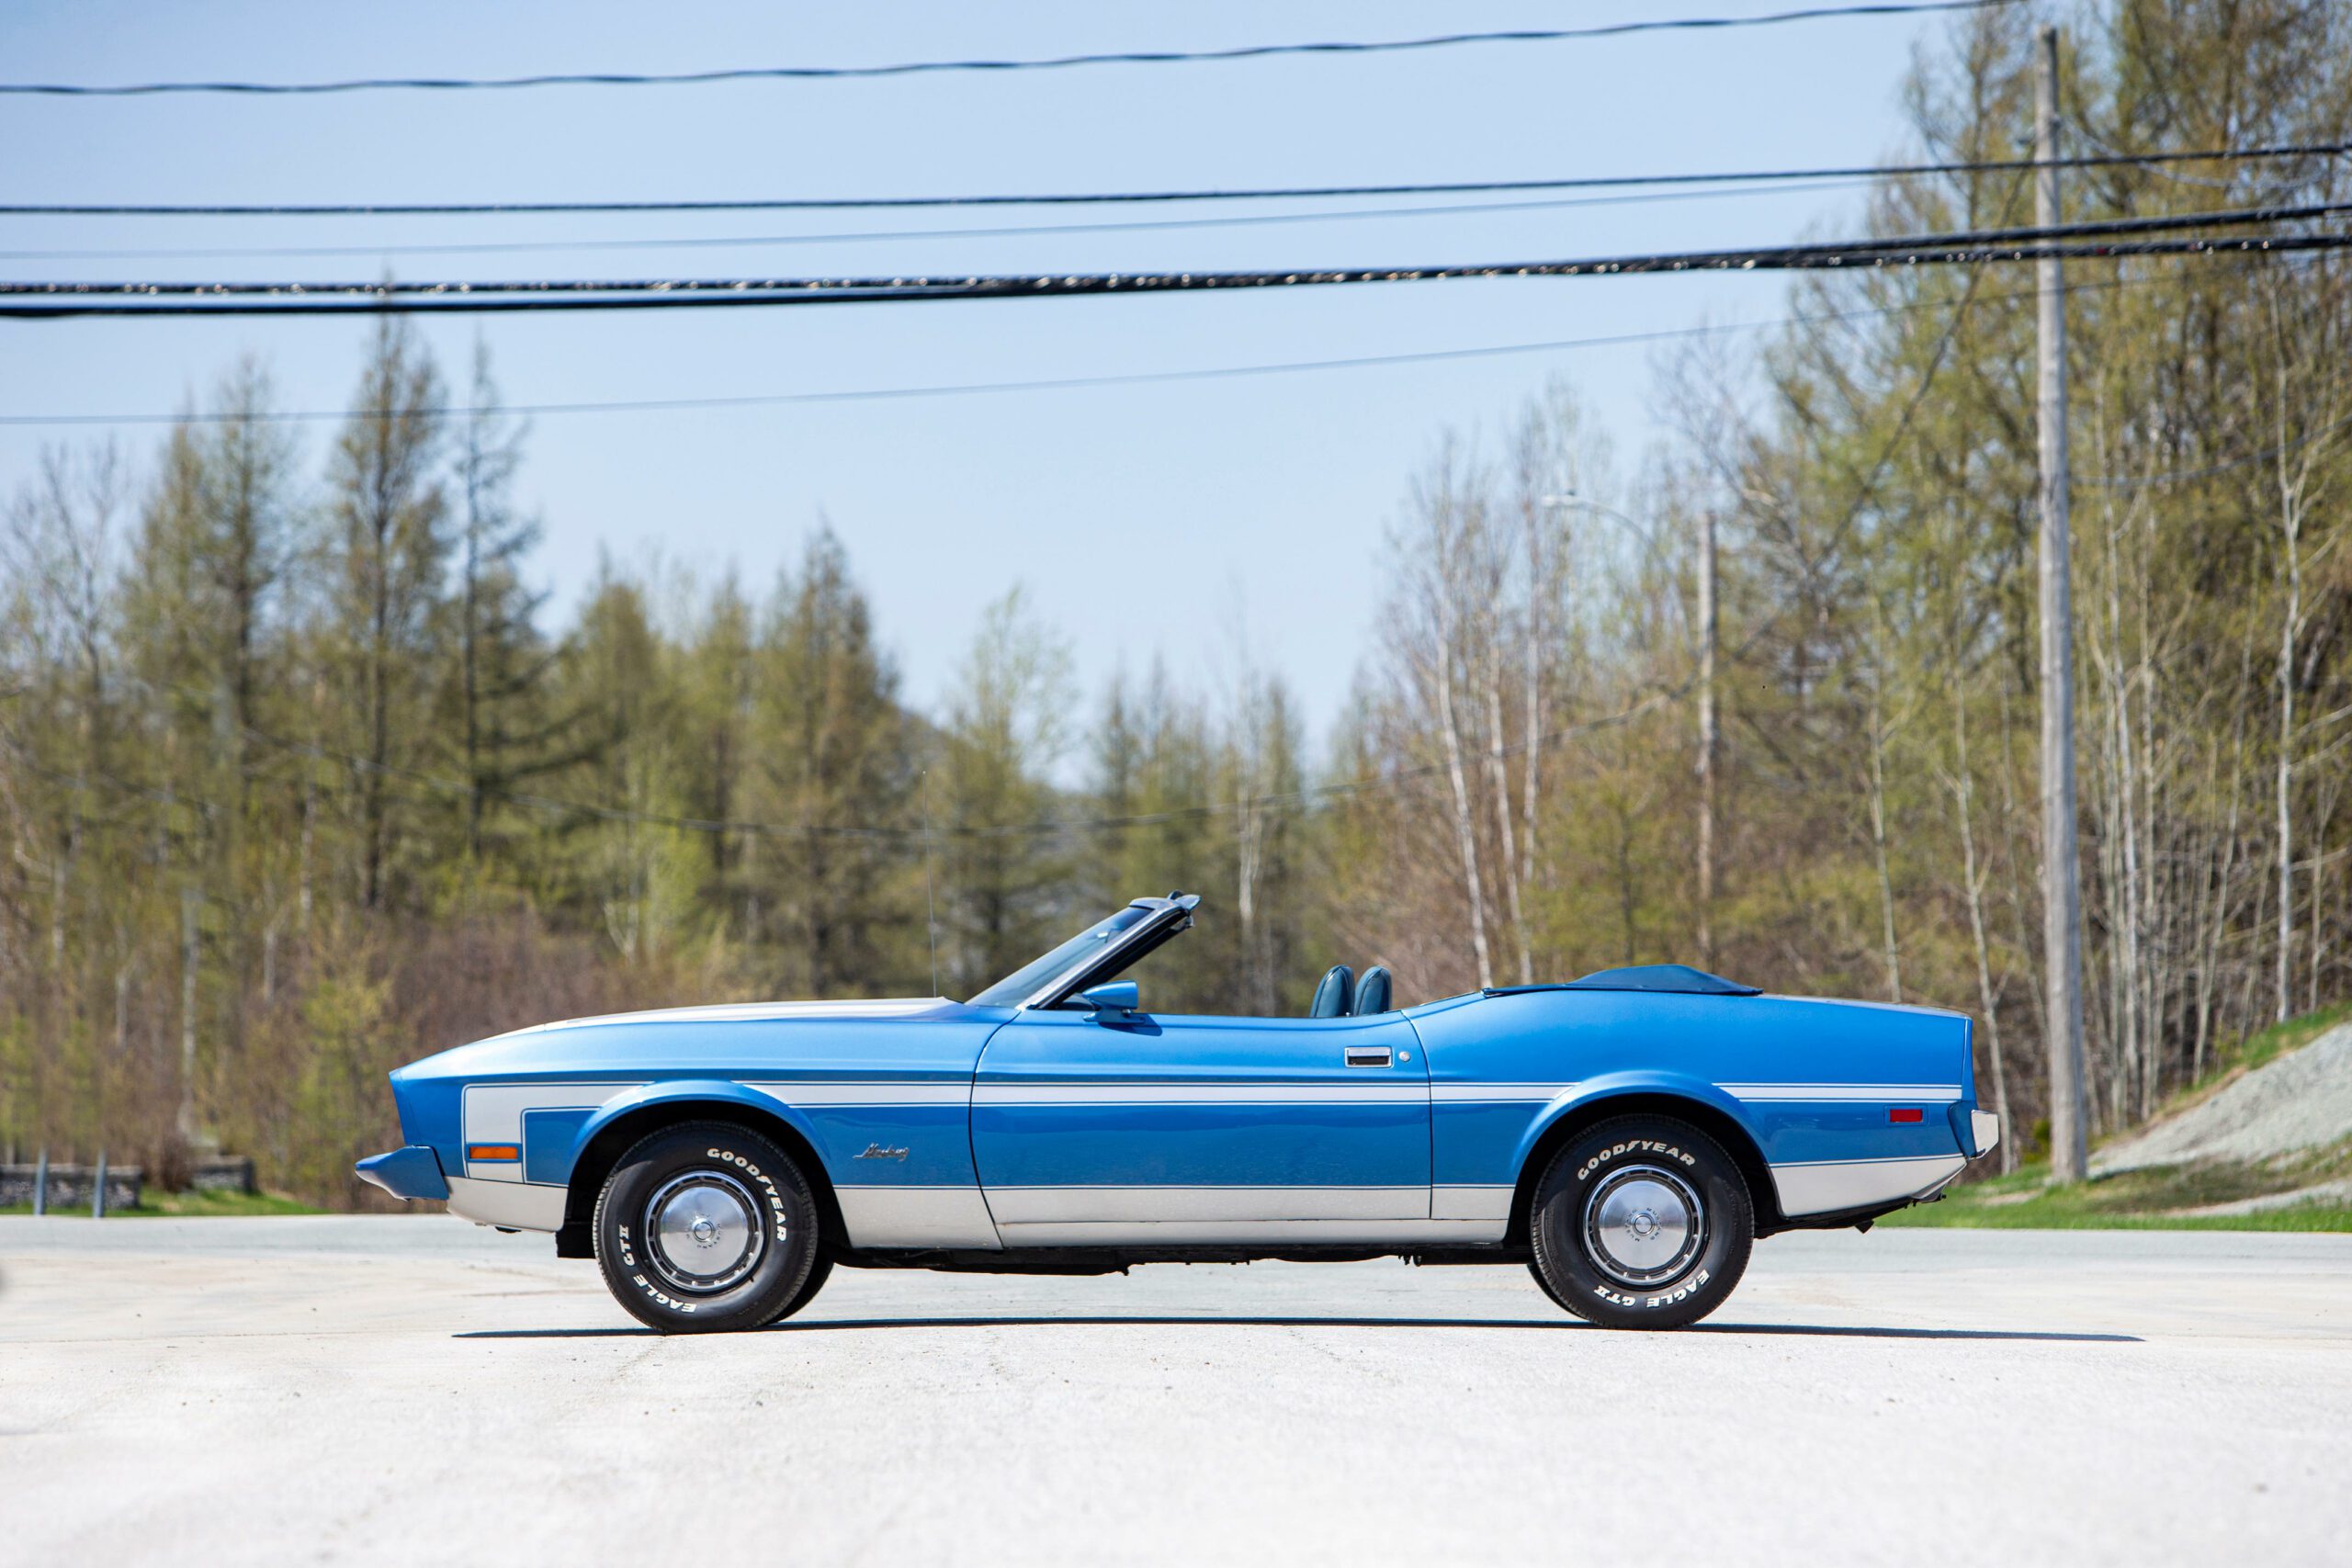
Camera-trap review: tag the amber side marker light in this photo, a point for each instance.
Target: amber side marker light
(508, 1151)
(1899, 1113)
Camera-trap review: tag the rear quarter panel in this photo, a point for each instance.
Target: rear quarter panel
(1813, 1084)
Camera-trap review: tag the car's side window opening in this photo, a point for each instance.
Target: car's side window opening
(1024, 982)
(1114, 949)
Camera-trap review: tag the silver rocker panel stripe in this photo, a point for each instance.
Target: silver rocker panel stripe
(1233, 1233)
(1937, 1093)
(1371, 1093)
(1470, 1202)
(1157, 1205)
(916, 1216)
(522, 1207)
(1825, 1187)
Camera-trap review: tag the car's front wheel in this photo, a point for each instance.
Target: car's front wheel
(1641, 1222)
(706, 1226)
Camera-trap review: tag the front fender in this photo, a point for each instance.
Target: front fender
(1581, 1097)
(724, 1091)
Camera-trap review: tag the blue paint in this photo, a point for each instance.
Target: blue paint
(549, 1139)
(1456, 1093)
(411, 1172)
(1305, 1133)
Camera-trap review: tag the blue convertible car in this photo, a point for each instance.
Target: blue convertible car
(1626, 1136)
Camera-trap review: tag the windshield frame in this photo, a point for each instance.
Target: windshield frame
(1082, 955)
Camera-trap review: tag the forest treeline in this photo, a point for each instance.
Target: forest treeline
(299, 779)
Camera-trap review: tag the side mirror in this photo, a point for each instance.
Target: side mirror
(1116, 997)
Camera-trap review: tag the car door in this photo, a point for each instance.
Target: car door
(1098, 1128)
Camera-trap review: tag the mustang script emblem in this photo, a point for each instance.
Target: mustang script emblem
(875, 1151)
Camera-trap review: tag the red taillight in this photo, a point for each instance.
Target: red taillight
(1898, 1113)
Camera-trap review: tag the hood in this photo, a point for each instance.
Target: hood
(724, 1039)
(744, 1012)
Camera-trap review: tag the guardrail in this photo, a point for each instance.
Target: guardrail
(52, 1187)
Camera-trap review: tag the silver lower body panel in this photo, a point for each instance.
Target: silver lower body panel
(1219, 1217)
(1828, 1186)
(916, 1216)
(1250, 1232)
(517, 1205)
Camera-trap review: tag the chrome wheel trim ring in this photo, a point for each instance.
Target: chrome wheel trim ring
(1643, 1225)
(704, 1231)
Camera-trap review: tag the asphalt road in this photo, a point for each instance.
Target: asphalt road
(418, 1389)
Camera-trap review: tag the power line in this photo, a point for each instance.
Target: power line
(1127, 226)
(1049, 384)
(117, 298)
(2285, 150)
(2158, 223)
(935, 67)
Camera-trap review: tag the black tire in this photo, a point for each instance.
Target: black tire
(818, 1272)
(1535, 1271)
(741, 1239)
(1641, 1222)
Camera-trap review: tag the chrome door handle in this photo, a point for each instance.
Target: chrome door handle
(1369, 1056)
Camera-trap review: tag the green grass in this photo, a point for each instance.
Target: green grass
(185, 1205)
(2253, 1051)
(2151, 1199)
(2155, 1198)
(2291, 1035)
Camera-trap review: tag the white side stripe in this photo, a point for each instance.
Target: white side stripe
(954, 1092)
(1938, 1093)
(1375, 1093)
(1488, 1093)
(748, 1012)
(493, 1113)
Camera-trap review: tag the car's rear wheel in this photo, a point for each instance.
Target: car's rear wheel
(1641, 1222)
(706, 1226)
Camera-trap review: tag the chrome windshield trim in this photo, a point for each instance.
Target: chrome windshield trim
(1163, 910)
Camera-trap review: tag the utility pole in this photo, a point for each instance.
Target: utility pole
(186, 1121)
(2061, 900)
(1707, 737)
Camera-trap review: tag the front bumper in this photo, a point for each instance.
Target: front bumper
(413, 1172)
(1984, 1133)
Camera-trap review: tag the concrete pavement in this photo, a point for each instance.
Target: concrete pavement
(407, 1390)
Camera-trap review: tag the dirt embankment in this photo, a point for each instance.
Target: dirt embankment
(2301, 1101)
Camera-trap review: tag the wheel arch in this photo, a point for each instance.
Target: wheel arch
(619, 1125)
(1718, 1123)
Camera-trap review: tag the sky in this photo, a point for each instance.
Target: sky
(1144, 520)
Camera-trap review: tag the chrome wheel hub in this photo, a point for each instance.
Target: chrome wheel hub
(705, 1231)
(1643, 1224)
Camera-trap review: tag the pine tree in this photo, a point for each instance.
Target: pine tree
(507, 731)
(1002, 884)
(387, 555)
(833, 760)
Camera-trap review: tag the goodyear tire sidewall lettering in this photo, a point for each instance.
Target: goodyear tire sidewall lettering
(760, 1285)
(1673, 1150)
(1635, 1147)
(1680, 1292)
(779, 1227)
